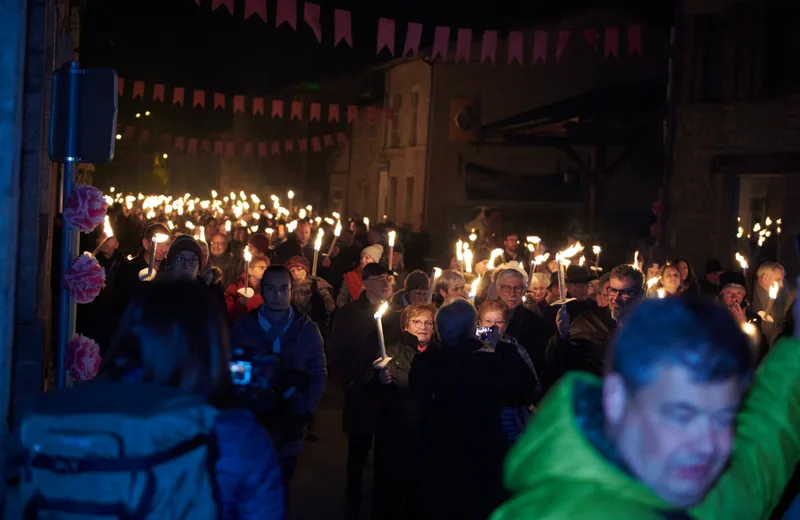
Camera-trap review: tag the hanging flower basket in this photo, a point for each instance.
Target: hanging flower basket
(85, 208)
(85, 278)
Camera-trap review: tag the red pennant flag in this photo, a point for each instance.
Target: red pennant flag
(286, 11)
(277, 108)
(262, 149)
(372, 114)
(352, 113)
(219, 148)
(199, 99)
(539, 47)
(248, 149)
(230, 149)
(413, 37)
(333, 113)
(257, 7)
(315, 112)
(205, 145)
(138, 89)
(311, 17)
(179, 143)
(144, 136)
(385, 35)
(238, 104)
(592, 38)
(258, 106)
(166, 138)
(191, 147)
(515, 44)
(634, 40)
(158, 92)
(129, 131)
(276, 148)
(341, 138)
(489, 47)
(342, 27)
(441, 41)
(177, 96)
(315, 146)
(288, 145)
(463, 44)
(612, 42)
(120, 86)
(297, 110)
(302, 145)
(219, 101)
(563, 38)
(327, 139)
(216, 4)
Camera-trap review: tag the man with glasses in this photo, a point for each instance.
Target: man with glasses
(183, 259)
(223, 260)
(583, 346)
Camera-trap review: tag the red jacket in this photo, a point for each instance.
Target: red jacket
(236, 309)
(354, 283)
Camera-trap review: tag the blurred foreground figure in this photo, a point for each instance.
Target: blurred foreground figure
(668, 431)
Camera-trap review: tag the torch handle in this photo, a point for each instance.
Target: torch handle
(152, 261)
(333, 243)
(314, 267)
(97, 249)
(391, 257)
(381, 340)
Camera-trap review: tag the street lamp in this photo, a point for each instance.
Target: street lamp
(119, 136)
(165, 156)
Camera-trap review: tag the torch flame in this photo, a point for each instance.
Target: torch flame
(757, 228)
(742, 260)
(596, 250)
(636, 261)
(582, 261)
(107, 229)
(366, 222)
(392, 235)
(382, 309)
(473, 291)
(661, 293)
(473, 237)
(203, 233)
(539, 260)
(228, 226)
(571, 251)
(190, 225)
(750, 329)
(338, 230)
(652, 281)
(773, 290)
(468, 260)
(318, 243)
(160, 238)
(460, 250)
(494, 256)
(534, 240)
(768, 222)
(247, 256)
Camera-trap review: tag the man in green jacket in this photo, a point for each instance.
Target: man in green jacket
(677, 428)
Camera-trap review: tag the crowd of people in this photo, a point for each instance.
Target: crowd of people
(652, 395)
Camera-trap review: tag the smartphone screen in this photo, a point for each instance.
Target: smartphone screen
(241, 372)
(482, 333)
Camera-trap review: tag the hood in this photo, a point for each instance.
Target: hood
(556, 469)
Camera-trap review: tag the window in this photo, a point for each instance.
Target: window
(412, 136)
(395, 124)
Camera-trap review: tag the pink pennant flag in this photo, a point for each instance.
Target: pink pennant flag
(539, 47)
(341, 137)
(191, 147)
(158, 92)
(489, 47)
(216, 4)
(166, 138)
(205, 145)
(385, 35)
(563, 38)
(238, 104)
(342, 27)
(129, 131)
(352, 113)
(258, 106)
(327, 139)
(262, 149)
(120, 86)
(297, 110)
(315, 146)
(372, 114)
(138, 89)
(177, 96)
(277, 108)
(441, 41)
(219, 101)
(315, 112)
(144, 136)
(219, 148)
(634, 40)
(179, 141)
(302, 145)
(286, 11)
(612, 42)
(288, 145)
(311, 17)
(463, 44)
(592, 38)
(515, 44)
(257, 7)
(413, 37)
(276, 148)
(199, 99)
(333, 113)
(248, 149)
(230, 149)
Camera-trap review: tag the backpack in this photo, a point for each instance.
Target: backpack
(119, 450)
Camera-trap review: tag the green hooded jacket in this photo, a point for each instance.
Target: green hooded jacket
(555, 473)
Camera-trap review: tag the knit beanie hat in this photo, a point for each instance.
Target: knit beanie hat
(184, 243)
(260, 241)
(298, 261)
(374, 251)
(416, 280)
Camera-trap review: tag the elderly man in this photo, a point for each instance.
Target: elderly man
(769, 274)
(223, 260)
(450, 284)
(668, 432)
(298, 244)
(733, 295)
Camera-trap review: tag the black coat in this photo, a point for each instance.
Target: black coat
(533, 333)
(585, 350)
(291, 247)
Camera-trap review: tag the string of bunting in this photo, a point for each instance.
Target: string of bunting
(286, 12)
(224, 148)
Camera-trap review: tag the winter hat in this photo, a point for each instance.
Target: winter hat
(578, 274)
(713, 266)
(374, 251)
(298, 261)
(260, 241)
(416, 280)
(184, 243)
(732, 279)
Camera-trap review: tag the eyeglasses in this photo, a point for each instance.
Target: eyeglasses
(420, 323)
(383, 279)
(183, 261)
(508, 289)
(627, 294)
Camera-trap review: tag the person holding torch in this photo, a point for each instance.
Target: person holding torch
(770, 298)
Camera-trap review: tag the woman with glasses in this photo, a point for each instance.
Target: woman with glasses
(397, 435)
(183, 262)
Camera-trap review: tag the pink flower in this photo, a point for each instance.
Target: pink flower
(85, 278)
(85, 208)
(83, 358)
